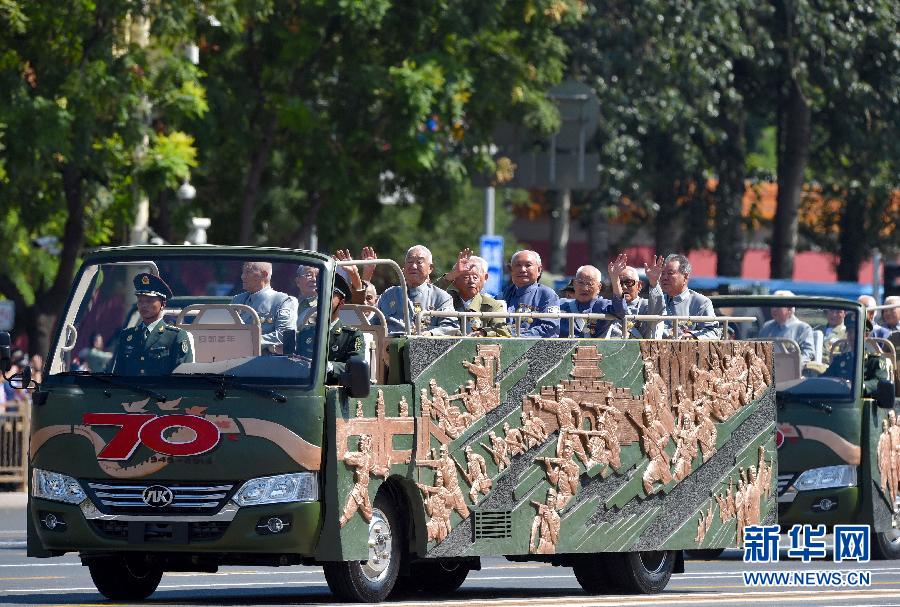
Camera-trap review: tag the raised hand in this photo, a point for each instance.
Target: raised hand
(461, 266)
(368, 271)
(616, 268)
(655, 271)
(352, 271)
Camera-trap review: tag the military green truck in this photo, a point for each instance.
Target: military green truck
(609, 456)
(838, 438)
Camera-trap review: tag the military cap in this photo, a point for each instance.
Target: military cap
(148, 284)
(342, 287)
(850, 323)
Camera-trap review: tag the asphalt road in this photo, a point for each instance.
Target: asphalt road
(63, 581)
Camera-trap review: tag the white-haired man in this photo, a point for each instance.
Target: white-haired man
(422, 295)
(784, 324)
(526, 295)
(277, 311)
(890, 318)
(626, 284)
(587, 300)
(678, 300)
(464, 282)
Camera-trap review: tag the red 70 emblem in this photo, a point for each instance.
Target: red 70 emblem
(149, 429)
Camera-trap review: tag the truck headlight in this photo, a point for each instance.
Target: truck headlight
(55, 486)
(828, 477)
(299, 487)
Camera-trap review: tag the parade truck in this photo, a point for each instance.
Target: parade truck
(837, 436)
(610, 456)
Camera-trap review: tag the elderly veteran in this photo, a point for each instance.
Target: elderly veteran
(626, 284)
(678, 300)
(526, 295)
(890, 318)
(464, 282)
(421, 294)
(307, 281)
(152, 347)
(277, 311)
(587, 300)
(784, 324)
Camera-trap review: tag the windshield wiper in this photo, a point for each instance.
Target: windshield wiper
(107, 379)
(227, 381)
(781, 398)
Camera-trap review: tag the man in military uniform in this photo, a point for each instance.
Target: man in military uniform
(152, 347)
(277, 311)
(464, 284)
(875, 368)
(344, 341)
(307, 281)
(421, 295)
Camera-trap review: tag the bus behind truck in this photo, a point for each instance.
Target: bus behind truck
(428, 453)
(836, 392)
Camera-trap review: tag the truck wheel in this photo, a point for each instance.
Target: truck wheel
(124, 578)
(886, 545)
(705, 554)
(591, 572)
(643, 572)
(440, 577)
(372, 580)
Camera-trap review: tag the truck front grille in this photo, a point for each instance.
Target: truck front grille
(113, 497)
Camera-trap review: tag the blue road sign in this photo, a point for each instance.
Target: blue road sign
(492, 252)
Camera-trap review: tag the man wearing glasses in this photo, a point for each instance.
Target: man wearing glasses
(587, 300)
(627, 285)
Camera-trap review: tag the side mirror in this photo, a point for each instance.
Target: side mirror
(884, 395)
(5, 352)
(355, 378)
(289, 341)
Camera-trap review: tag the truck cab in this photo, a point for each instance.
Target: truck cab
(836, 411)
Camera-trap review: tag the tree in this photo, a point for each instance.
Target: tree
(320, 109)
(77, 92)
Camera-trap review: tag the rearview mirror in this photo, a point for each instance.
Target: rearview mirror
(884, 395)
(355, 377)
(5, 353)
(22, 379)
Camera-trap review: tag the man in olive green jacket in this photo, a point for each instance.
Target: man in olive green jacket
(464, 283)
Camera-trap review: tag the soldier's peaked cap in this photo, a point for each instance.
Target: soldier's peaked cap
(149, 284)
(850, 323)
(341, 286)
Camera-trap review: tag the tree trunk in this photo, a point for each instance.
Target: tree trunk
(259, 159)
(559, 231)
(665, 226)
(853, 236)
(729, 196)
(598, 235)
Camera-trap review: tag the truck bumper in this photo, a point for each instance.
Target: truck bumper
(825, 506)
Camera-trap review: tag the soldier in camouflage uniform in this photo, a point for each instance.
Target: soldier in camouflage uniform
(152, 347)
(344, 342)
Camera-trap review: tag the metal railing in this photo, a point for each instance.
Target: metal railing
(14, 432)
(519, 316)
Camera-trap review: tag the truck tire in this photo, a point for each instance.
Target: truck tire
(591, 571)
(886, 545)
(372, 580)
(642, 572)
(124, 578)
(705, 554)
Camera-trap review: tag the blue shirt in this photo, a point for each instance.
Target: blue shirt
(590, 328)
(534, 298)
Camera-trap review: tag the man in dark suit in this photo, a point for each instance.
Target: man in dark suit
(152, 347)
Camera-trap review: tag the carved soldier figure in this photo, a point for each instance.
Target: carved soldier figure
(563, 474)
(568, 416)
(531, 434)
(477, 475)
(740, 508)
(404, 407)
(683, 404)
(473, 401)
(499, 451)
(483, 371)
(545, 526)
(656, 395)
(447, 466)
(438, 524)
(753, 494)
(765, 474)
(885, 463)
(685, 447)
(365, 465)
(513, 437)
(538, 425)
(706, 429)
(654, 447)
(440, 411)
(759, 376)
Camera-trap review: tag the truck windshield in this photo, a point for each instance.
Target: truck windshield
(814, 347)
(185, 315)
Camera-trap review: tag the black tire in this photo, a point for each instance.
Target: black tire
(124, 578)
(643, 572)
(592, 572)
(371, 581)
(886, 545)
(705, 554)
